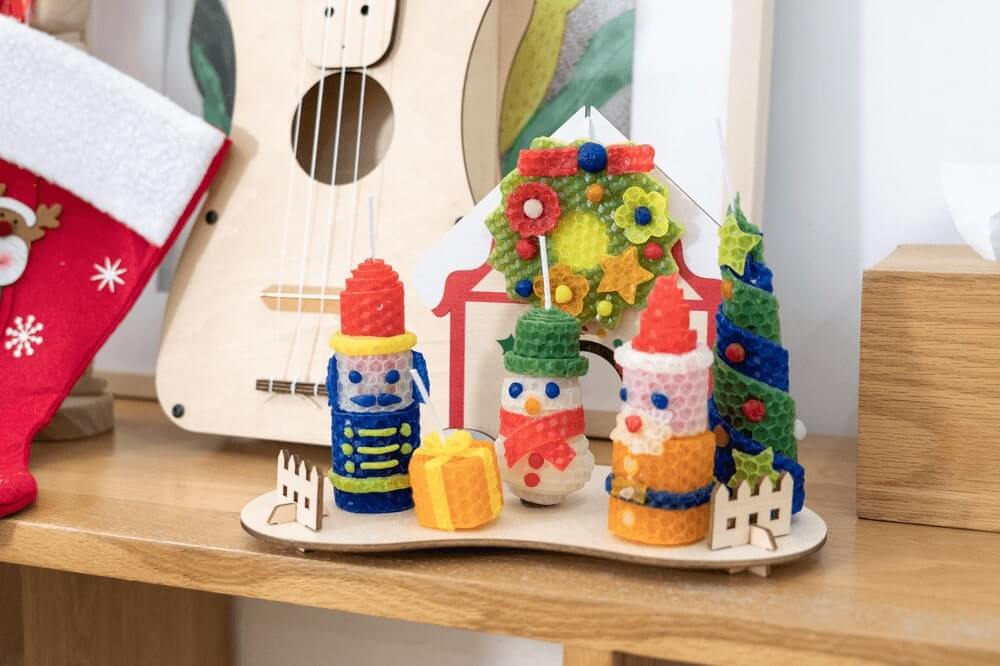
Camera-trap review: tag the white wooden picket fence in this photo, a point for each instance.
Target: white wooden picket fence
(735, 513)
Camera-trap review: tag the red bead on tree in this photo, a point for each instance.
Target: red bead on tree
(735, 353)
(754, 410)
(526, 249)
(653, 251)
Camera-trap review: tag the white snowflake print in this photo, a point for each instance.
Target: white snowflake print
(23, 336)
(108, 275)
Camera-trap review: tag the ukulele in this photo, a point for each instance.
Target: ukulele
(345, 111)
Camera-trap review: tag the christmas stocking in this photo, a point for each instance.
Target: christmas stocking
(97, 176)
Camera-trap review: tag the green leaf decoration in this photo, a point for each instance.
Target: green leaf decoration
(213, 62)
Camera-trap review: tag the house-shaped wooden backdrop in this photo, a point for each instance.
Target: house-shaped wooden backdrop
(454, 281)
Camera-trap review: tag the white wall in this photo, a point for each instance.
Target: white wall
(868, 98)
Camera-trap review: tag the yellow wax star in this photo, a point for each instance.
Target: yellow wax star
(735, 244)
(623, 274)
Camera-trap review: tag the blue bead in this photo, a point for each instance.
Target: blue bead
(392, 376)
(515, 389)
(552, 390)
(659, 400)
(354, 376)
(623, 394)
(643, 216)
(592, 157)
(524, 288)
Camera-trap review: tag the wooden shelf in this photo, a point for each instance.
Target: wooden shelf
(155, 504)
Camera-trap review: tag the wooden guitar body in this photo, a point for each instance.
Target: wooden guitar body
(228, 328)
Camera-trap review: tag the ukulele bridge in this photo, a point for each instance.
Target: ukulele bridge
(283, 386)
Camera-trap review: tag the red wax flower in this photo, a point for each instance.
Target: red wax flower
(526, 249)
(533, 209)
(735, 353)
(754, 410)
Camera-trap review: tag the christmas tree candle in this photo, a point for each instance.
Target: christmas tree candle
(375, 409)
(661, 478)
(751, 412)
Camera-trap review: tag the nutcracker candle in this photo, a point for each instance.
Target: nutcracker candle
(546, 456)
(663, 451)
(376, 412)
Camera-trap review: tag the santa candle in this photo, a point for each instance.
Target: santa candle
(375, 410)
(545, 455)
(663, 452)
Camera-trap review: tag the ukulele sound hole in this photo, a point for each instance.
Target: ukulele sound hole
(376, 128)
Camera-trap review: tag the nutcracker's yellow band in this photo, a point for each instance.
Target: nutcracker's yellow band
(456, 445)
(363, 345)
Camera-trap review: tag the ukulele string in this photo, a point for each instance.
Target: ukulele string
(310, 194)
(290, 185)
(334, 191)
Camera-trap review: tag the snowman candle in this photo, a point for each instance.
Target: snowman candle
(545, 454)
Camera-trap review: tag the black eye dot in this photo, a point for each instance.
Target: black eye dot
(364, 10)
(328, 12)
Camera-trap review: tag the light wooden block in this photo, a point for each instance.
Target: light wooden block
(929, 404)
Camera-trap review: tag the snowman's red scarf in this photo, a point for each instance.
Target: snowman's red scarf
(544, 435)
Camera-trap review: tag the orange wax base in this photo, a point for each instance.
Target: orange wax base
(656, 527)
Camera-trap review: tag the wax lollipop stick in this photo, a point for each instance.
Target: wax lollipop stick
(435, 419)
(371, 226)
(543, 247)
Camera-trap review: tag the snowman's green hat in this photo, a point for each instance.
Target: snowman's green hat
(546, 344)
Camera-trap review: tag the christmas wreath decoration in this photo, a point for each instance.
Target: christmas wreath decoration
(606, 223)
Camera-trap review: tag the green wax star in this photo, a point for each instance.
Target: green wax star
(753, 468)
(735, 244)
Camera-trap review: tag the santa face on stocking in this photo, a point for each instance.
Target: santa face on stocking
(20, 226)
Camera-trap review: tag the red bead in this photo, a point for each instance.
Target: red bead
(754, 410)
(526, 249)
(735, 353)
(633, 423)
(531, 479)
(653, 251)
(536, 460)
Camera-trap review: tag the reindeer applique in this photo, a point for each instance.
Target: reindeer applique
(20, 226)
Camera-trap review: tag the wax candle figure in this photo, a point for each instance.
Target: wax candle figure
(375, 409)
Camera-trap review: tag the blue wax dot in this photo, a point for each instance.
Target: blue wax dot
(659, 400)
(515, 389)
(354, 376)
(592, 157)
(623, 394)
(524, 288)
(643, 216)
(552, 390)
(392, 376)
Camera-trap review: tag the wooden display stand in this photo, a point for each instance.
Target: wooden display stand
(929, 395)
(577, 526)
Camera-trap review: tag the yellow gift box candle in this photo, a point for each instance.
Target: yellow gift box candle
(456, 483)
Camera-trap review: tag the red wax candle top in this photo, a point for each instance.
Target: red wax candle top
(665, 325)
(372, 301)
